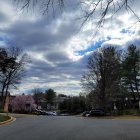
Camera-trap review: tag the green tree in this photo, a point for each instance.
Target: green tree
(76, 104)
(131, 70)
(50, 94)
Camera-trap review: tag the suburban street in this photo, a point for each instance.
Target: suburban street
(69, 128)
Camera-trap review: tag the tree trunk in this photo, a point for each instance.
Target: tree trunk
(6, 94)
(136, 83)
(132, 89)
(2, 97)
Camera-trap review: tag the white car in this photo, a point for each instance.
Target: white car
(50, 113)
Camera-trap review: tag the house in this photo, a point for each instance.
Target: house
(55, 103)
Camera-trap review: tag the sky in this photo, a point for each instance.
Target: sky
(57, 45)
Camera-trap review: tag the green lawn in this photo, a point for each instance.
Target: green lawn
(4, 118)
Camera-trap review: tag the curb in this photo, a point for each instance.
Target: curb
(16, 114)
(12, 119)
(23, 114)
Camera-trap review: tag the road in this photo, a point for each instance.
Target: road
(69, 128)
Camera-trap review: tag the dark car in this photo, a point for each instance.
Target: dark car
(96, 113)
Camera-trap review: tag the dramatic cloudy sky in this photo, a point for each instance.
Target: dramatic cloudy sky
(56, 45)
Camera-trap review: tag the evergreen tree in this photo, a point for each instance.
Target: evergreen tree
(131, 70)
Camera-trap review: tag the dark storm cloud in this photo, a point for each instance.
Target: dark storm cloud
(57, 57)
(39, 35)
(74, 69)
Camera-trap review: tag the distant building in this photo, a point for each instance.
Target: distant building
(59, 100)
(54, 105)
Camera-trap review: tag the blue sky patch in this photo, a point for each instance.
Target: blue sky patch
(93, 46)
(126, 31)
(7, 41)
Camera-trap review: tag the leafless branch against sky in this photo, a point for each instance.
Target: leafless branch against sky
(93, 10)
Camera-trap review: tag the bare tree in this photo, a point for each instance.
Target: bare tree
(37, 95)
(102, 78)
(45, 5)
(105, 9)
(14, 70)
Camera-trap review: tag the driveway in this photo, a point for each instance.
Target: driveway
(69, 128)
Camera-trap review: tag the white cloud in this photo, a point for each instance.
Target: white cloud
(53, 43)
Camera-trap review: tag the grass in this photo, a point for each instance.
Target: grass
(4, 118)
(121, 117)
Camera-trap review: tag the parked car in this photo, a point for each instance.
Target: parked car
(54, 113)
(42, 112)
(39, 112)
(85, 113)
(36, 111)
(64, 114)
(96, 113)
(50, 113)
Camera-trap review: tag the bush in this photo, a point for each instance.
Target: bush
(126, 112)
(130, 112)
(138, 112)
(2, 111)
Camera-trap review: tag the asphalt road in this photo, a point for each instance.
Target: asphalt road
(69, 128)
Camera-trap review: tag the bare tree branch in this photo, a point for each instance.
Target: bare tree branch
(93, 10)
(100, 10)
